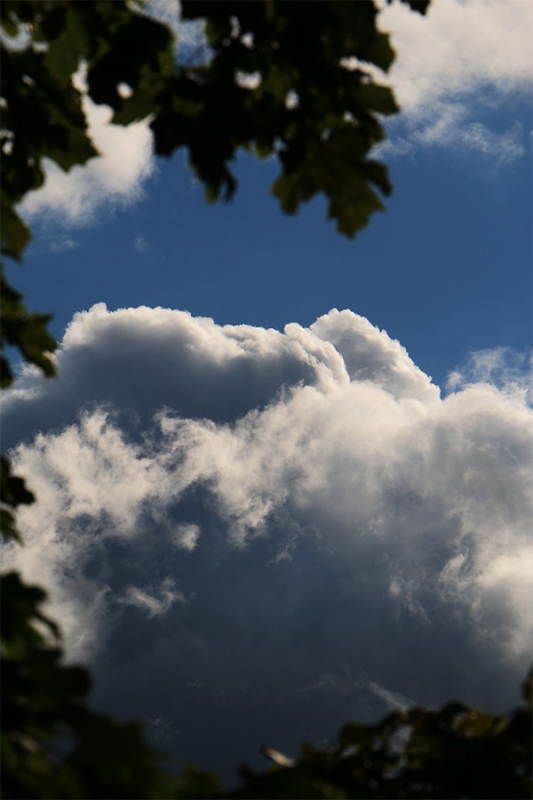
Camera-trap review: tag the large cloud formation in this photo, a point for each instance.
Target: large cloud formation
(251, 535)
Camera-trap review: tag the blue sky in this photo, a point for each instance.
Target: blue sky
(445, 270)
(258, 515)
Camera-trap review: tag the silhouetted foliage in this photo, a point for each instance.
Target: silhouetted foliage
(44, 712)
(456, 752)
(315, 107)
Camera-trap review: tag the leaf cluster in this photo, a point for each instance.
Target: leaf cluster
(42, 111)
(315, 108)
(456, 752)
(23, 330)
(29, 334)
(322, 140)
(53, 746)
(13, 493)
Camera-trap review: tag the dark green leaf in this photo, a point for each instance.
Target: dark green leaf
(25, 331)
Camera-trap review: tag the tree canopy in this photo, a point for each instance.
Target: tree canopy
(283, 80)
(315, 105)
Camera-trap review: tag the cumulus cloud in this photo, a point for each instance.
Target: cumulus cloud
(114, 178)
(453, 68)
(339, 529)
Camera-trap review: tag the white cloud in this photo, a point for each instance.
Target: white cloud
(152, 605)
(111, 179)
(62, 244)
(393, 700)
(126, 160)
(191, 41)
(140, 244)
(454, 66)
(186, 536)
(500, 366)
(353, 522)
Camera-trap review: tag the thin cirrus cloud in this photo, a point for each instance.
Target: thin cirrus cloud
(62, 244)
(141, 244)
(251, 534)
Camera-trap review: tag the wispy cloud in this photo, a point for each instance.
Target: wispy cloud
(140, 244)
(454, 67)
(62, 244)
(394, 700)
(158, 602)
(499, 366)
